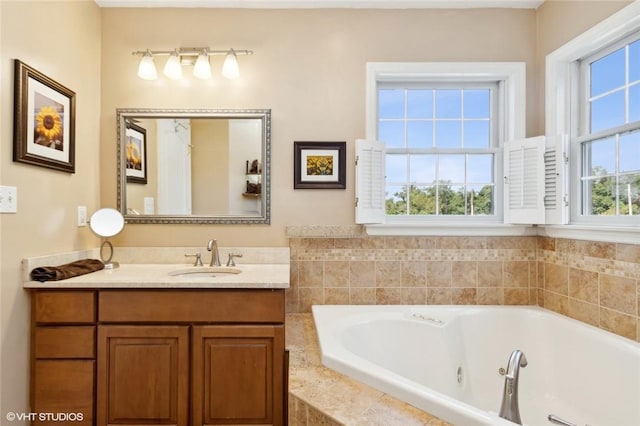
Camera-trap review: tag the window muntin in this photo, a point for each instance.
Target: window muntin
(609, 140)
(441, 148)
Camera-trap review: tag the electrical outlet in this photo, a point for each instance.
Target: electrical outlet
(82, 216)
(8, 199)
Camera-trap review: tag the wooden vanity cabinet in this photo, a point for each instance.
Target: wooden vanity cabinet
(186, 357)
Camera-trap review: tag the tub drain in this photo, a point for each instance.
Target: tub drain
(459, 374)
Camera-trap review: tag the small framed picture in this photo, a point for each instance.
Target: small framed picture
(44, 120)
(319, 165)
(136, 153)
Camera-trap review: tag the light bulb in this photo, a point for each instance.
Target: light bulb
(202, 68)
(173, 68)
(147, 68)
(230, 67)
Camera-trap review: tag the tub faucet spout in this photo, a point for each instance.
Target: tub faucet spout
(509, 409)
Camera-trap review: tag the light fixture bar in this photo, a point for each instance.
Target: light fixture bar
(192, 51)
(198, 57)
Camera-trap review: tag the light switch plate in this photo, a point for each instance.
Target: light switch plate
(8, 199)
(82, 215)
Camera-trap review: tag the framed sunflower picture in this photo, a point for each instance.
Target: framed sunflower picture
(136, 153)
(44, 120)
(319, 165)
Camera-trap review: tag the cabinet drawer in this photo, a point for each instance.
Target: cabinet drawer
(230, 306)
(65, 342)
(64, 306)
(63, 386)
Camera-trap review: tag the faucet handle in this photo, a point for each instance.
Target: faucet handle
(230, 262)
(198, 257)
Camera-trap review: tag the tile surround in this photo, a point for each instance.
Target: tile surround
(594, 282)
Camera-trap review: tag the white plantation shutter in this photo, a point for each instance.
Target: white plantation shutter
(556, 191)
(524, 181)
(370, 181)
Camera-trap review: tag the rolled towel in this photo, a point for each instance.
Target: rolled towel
(68, 270)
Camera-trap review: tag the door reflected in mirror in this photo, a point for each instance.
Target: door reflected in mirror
(202, 166)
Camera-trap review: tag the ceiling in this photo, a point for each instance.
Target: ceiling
(319, 4)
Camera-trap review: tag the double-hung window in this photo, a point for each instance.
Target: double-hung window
(593, 97)
(442, 127)
(608, 139)
(441, 148)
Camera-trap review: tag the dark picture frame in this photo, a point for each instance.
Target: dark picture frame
(319, 165)
(136, 154)
(44, 120)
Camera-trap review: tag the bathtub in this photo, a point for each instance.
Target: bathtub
(446, 360)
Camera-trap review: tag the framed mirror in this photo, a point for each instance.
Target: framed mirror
(194, 166)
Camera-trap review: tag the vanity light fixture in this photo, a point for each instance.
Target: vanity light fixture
(147, 68)
(198, 57)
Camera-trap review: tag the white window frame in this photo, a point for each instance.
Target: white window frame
(562, 113)
(512, 81)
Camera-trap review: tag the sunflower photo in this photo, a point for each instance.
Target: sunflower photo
(48, 129)
(44, 131)
(319, 165)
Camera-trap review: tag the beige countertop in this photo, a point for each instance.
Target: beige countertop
(270, 276)
(260, 268)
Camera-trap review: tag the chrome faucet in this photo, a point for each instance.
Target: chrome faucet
(212, 246)
(509, 409)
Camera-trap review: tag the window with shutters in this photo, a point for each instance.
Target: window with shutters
(441, 129)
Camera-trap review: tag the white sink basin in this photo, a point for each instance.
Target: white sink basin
(204, 271)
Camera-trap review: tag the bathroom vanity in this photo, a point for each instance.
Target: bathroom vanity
(114, 348)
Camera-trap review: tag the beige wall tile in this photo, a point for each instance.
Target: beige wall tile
(556, 278)
(516, 273)
(414, 273)
(490, 274)
(464, 274)
(516, 296)
(583, 311)
(336, 273)
(583, 285)
(310, 296)
(439, 296)
(336, 296)
(413, 295)
(439, 273)
(362, 274)
(388, 296)
(556, 302)
(362, 295)
(464, 296)
(618, 323)
(388, 273)
(310, 273)
(490, 295)
(618, 293)
(628, 253)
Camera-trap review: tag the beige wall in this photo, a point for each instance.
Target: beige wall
(309, 68)
(61, 40)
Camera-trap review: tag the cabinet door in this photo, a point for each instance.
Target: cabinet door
(143, 375)
(238, 375)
